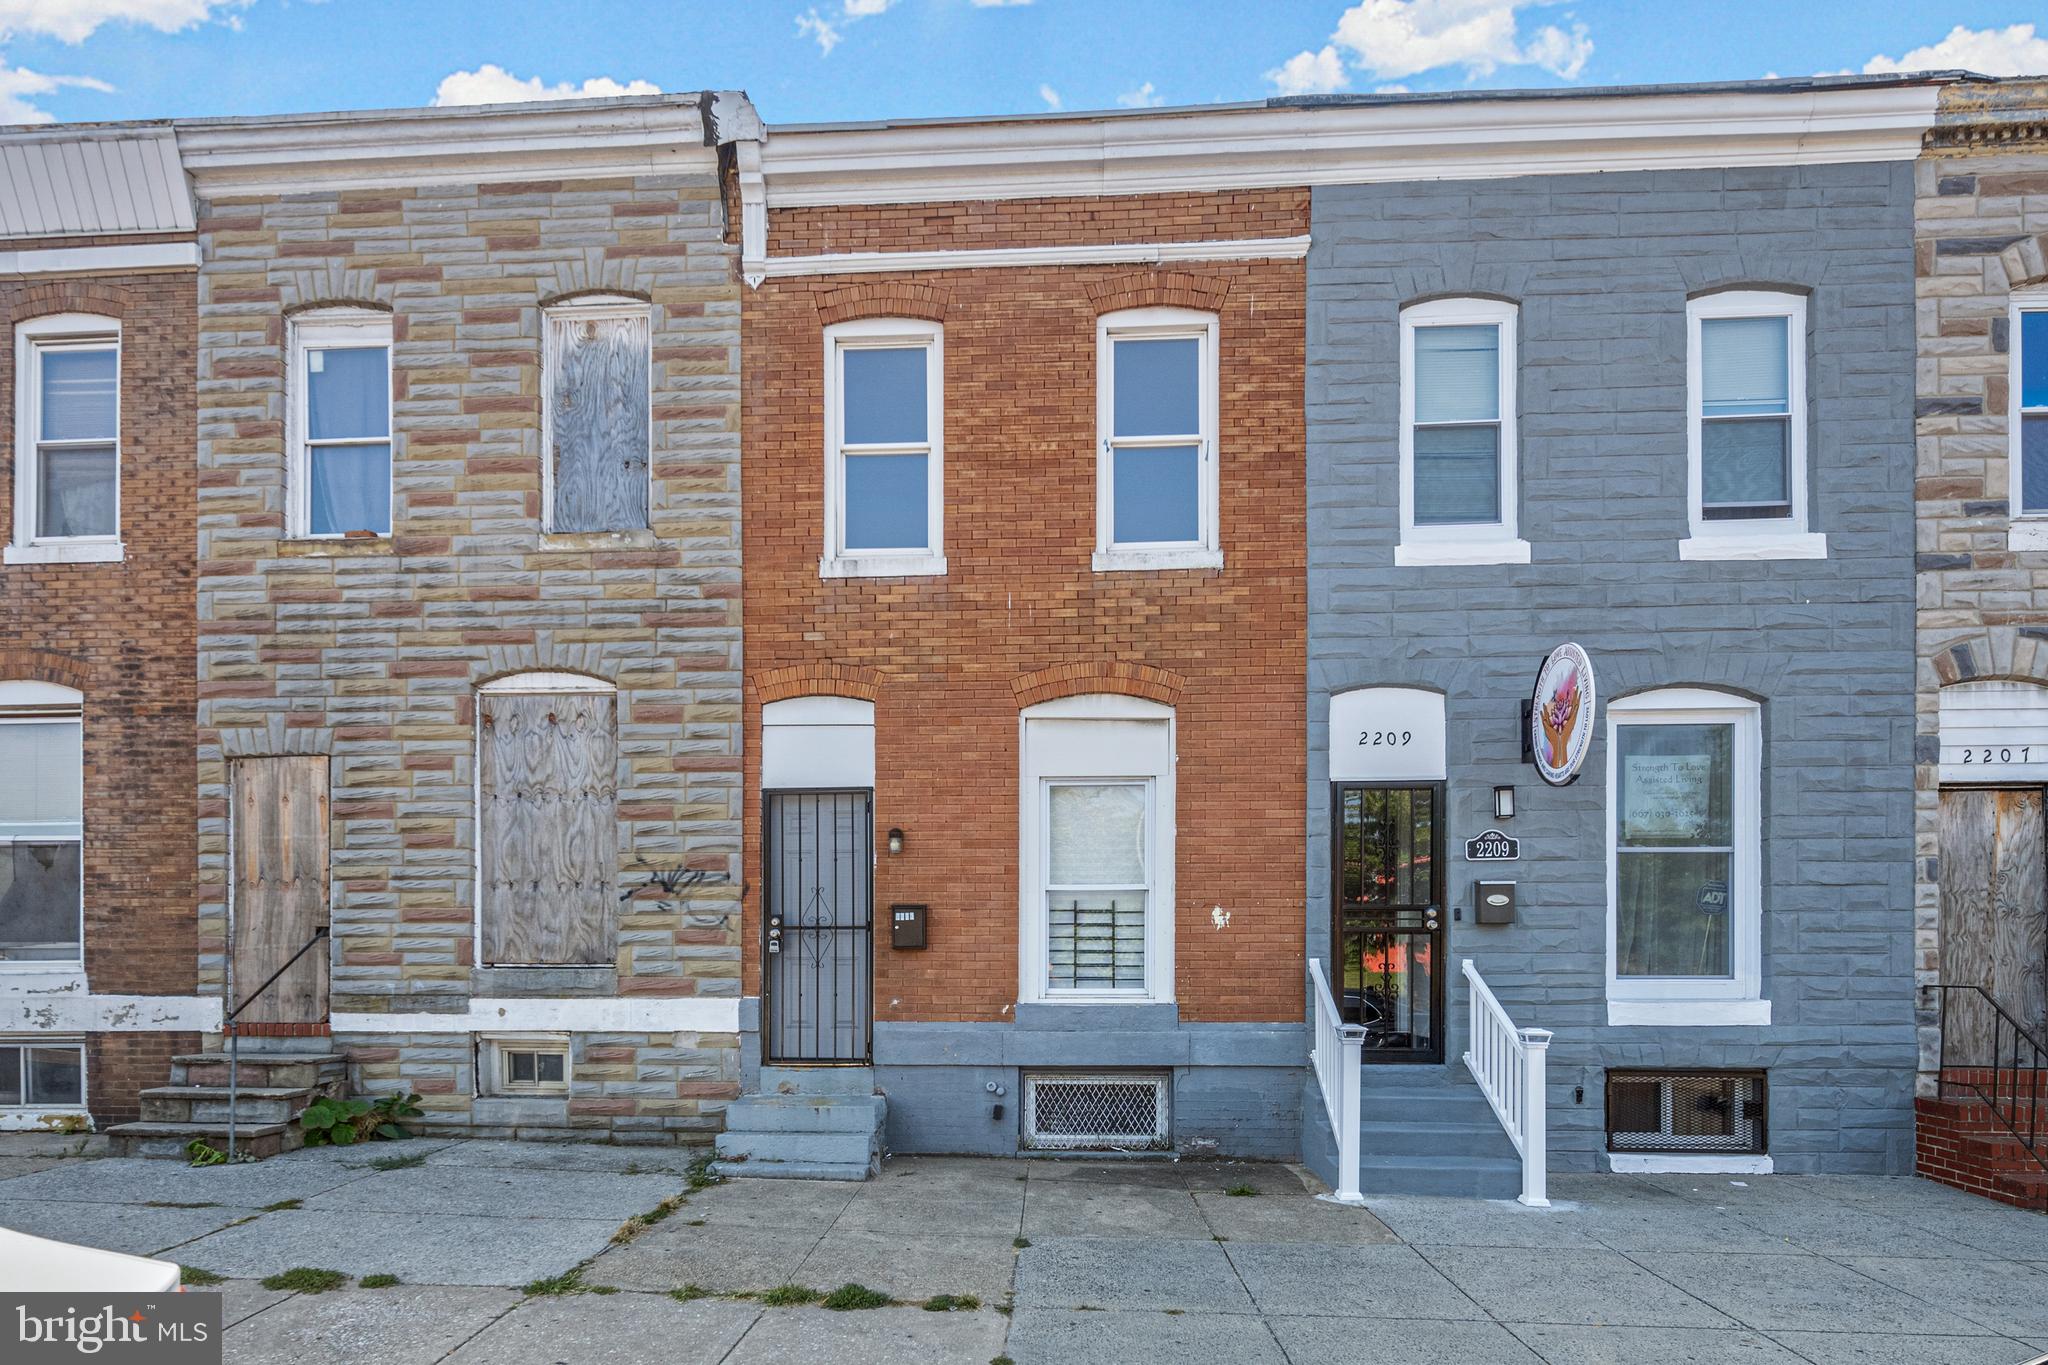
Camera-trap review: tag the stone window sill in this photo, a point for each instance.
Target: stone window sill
(1151, 561)
(67, 552)
(1485, 550)
(1776, 545)
(1687, 1163)
(882, 566)
(2027, 535)
(1689, 1013)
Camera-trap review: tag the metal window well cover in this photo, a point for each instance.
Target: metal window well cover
(1672, 1111)
(1112, 1112)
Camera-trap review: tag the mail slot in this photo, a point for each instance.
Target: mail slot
(906, 926)
(1493, 902)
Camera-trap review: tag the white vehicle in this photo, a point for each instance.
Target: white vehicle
(38, 1265)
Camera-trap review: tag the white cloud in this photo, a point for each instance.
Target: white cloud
(1310, 73)
(18, 85)
(861, 9)
(73, 21)
(997, 4)
(1395, 38)
(2014, 51)
(1144, 97)
(490, 84)
(824, 30)
(1050, 96)
(829, 30)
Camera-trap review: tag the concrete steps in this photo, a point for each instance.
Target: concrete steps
(273, 1086)
(803, 1123)
(1428, 1131)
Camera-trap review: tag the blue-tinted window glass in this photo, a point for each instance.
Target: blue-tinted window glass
(2034, 463)
(1744, 366)
(1457, 475)
(884, 395)
(348, 489)
(888, 502)
(1157, 495)
(78, 395)
(1157, 387)
(1457, 373)
(2033, 345)
(348, 393)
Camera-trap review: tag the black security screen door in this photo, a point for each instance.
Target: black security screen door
(820, 932)
(1388, 927)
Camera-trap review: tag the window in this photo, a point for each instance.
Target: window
(1746, 428)
(67, 492)
(341, 423)
(43, 1074)
(884, 448)
(596, 423)
(1459, 490)
(1097, 830)
(1704, 1114)
(41, 825)
(1156, 470)
(1684, 861)
(2029, 415)
(547, 821)
(528, 1065)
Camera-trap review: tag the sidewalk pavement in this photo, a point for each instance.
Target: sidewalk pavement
(508, 1253)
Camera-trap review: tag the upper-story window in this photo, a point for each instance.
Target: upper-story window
(597, 422)
(1746, 427)
(884, 448)
(1459, 487)
(67, 492)
(340, 476)
(42, 829)
(2029, 398)
(1156, 417)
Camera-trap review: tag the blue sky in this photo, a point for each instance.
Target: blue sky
(857, 59)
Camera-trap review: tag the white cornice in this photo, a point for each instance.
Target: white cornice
(1001, 258)
(490, 144)
(140, 258)
(1258, 146)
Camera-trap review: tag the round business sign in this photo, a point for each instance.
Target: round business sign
(1561, 715)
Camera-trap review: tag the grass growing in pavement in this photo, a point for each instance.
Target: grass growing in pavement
(689, 1293)
(1021, 1243)
(377, 1281)
(790, 1296)
(951, 1303)
(281, 1205)
(640, 1222)
(1241, 1192)
(399, 1163)
(192, 1274)
(554, 1286)
(306, 1280)
(849, 1298)
(700, 1174)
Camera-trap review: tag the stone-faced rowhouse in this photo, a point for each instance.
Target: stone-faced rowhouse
(468, 607)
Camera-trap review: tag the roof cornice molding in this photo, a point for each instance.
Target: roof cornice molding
(1248, 147)
(666, 134)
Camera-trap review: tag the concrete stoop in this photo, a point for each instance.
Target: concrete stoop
(804, 1123)
(1429, 1130)
(272, 1087)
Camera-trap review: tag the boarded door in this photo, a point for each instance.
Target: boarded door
(1994, 914)
(547, 772)
(279, 807)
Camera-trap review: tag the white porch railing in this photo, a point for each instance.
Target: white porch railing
(1508, 1063)
(1337, 1063)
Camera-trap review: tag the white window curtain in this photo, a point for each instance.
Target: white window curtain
(41, 838)
(1097, 885)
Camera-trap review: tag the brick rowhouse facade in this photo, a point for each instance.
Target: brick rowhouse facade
(371, 651)
(120, 633)
(1020, 618)
(1981, 237)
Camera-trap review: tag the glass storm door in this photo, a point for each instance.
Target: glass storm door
(820, 932)
(1389, 918)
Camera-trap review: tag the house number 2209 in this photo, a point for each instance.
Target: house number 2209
(1380, 739)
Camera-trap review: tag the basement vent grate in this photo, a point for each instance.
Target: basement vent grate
(1687, 1111)
(1112, 1113)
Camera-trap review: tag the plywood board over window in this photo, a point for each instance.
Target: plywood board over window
(280, 886)
(598, 419)
(548, 820)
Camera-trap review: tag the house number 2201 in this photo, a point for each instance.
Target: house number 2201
(2005, 754)
(1381, 739)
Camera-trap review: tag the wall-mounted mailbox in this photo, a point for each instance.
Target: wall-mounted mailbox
(1493, 902)
(906, 926)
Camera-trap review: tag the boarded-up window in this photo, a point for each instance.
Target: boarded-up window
(547, 789)
(279, 807)
(597, 416)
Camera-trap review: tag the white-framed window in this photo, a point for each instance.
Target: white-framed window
(1745, 384)
(597, 418)
(42, 827)
(1684, 859)
(41, 1075)
(1156, 423)
(885, 448)
(1096, 836)
(1460, 453)
(2027, 459)
(67, 429)
(339, 480)
(526, 1064)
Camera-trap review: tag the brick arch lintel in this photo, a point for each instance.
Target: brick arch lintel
(882, 299)
(1158, 289)
(2002, 653)
(815, 680)
(50, 297)
(41, 665)
(1078, 679)
(2026, 261)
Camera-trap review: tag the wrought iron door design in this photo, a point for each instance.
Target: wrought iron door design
(1388, 869)
(819, 949)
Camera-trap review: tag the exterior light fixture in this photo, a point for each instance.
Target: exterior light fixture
(895, 841)
(1503, 803)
